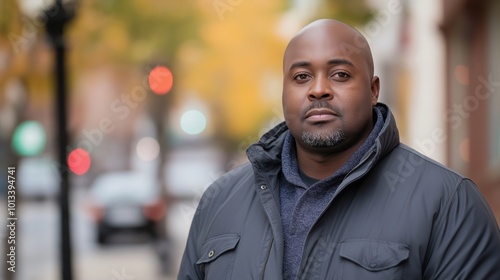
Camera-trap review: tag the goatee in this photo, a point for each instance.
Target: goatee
(319, 140)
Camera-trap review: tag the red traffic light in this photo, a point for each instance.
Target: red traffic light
(160, 80)
(79, 161)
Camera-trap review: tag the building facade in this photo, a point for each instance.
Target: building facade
(472, 43)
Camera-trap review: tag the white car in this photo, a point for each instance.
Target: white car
(124, 201)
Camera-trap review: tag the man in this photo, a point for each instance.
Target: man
(332, 193)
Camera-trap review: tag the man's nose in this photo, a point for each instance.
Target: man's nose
(320, 89)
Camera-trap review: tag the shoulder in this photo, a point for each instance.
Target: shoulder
(408, 162)
(406, 171)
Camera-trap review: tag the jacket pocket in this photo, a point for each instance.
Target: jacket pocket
(217, 258)
(372, 259)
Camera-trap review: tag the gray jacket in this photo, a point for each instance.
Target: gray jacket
(397, 215)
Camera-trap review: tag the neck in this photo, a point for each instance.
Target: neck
(320, 163)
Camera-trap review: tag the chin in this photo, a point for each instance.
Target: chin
(323, 139)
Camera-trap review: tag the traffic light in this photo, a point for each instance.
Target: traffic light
(29, 138)
(160, 80)
(79, 161)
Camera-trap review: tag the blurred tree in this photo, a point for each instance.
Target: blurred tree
(237, 66)
(12, 37)
(134, 32)
(354, 12)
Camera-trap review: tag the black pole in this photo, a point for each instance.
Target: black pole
(57, 18)
(62, 143)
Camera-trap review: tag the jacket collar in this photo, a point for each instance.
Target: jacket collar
(388, 137)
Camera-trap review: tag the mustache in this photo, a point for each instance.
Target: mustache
(317, 104)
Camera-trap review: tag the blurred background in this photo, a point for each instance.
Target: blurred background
(165, 96)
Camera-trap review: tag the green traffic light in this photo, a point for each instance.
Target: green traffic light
(29, 139)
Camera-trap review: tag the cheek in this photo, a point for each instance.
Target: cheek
(292, 105)
(357, 109)
(358, 98)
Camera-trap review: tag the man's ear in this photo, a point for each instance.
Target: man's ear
(375, 89)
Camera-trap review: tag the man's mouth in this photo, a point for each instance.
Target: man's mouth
(320, 115)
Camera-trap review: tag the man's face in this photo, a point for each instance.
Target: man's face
(328, 89)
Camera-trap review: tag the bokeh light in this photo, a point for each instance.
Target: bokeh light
(193, 122)
(29, 139)
(160, 80)
(148, 149)
(79, 161)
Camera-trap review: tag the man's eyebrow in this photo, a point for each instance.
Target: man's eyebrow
(300, 64)
(335, 61)
(340, 61)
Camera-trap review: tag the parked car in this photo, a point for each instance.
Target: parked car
(125, 201)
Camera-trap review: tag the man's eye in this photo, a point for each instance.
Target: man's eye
(301, 77)
(342, 75)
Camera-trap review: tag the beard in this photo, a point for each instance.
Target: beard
(321, 140)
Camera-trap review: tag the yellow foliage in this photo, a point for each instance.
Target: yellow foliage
(241, 51)
(116, 37)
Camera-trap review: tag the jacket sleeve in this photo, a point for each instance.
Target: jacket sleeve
(465, 243)
(189, 270)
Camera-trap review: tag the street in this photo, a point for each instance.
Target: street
(127, 257)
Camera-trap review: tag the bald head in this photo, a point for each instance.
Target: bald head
(349, 40)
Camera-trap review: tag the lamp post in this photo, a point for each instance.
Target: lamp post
(57, 17)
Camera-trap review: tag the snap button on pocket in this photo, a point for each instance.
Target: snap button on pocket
(372, 259)
(216, 246)
(263, 187)
(374, 255)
